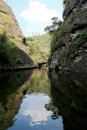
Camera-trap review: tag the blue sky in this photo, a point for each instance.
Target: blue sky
(34, 15)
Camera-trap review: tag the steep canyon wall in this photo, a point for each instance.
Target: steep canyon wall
(69, 44)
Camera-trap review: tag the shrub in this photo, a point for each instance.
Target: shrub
(61, 31)
(7, 50)
(78, 41)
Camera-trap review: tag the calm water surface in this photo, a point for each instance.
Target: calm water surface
(33, 115)
(37, 111)
(41, 101)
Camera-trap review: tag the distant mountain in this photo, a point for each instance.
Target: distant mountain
(39, 47)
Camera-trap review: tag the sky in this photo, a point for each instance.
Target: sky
(34, 15)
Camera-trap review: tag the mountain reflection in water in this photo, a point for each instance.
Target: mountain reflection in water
(41, 101)
(37, 111)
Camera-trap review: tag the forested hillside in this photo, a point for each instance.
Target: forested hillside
(39, 47)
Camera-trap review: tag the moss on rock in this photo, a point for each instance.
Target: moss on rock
(78, 41)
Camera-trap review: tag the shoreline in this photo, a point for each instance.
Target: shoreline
(17, 68)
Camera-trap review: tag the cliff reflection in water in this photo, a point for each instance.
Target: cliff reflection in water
(37, 111)
(69, 94)
(12, 89)
(56, 104)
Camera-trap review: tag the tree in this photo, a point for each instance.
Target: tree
(24, 41)
(55, 24)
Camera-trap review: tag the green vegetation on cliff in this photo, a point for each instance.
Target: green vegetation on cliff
(39, 47)
(6, 19)
(59, 34)
(69, 43)
(12, 49)
(8, 51)
(78, 41)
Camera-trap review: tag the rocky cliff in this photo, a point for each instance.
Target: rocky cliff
(12, 49)
(69, 44)
(8, 22)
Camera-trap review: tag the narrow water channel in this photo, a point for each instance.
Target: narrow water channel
(38, 100)
(37, 111)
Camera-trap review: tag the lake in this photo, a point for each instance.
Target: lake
(41, 100)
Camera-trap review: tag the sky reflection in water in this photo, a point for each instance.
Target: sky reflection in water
(34, 116)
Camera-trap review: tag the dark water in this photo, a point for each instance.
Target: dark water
(41, 101)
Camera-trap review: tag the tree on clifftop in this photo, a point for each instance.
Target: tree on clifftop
(55, 24)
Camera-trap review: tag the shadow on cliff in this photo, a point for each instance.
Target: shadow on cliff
(10, 54)
(69, 95)
(25, 59)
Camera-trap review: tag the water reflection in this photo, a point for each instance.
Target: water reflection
(69, 94)
(39, 83)
(33, 115)
(11, 94)
(37, 111)
(34, 102)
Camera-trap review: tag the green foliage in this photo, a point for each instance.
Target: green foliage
(7, 50)
(39, 83)
(2, 28)
(55, 24)
(3, 37)
(78, 41)
(17, 60)
(59, 34)
(59, 56)
(39, 47)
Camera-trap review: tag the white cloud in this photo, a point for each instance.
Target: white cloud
(38, 16)
(37, 115)
(36, 110)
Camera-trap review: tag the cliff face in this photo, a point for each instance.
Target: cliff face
(8, 22)
(69, 44)
(72, 5)
(12, 49)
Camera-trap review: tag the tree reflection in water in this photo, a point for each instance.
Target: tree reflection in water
(51, 107)
(34, 112)
(64, 97)
(11, 94)
(69, 94)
